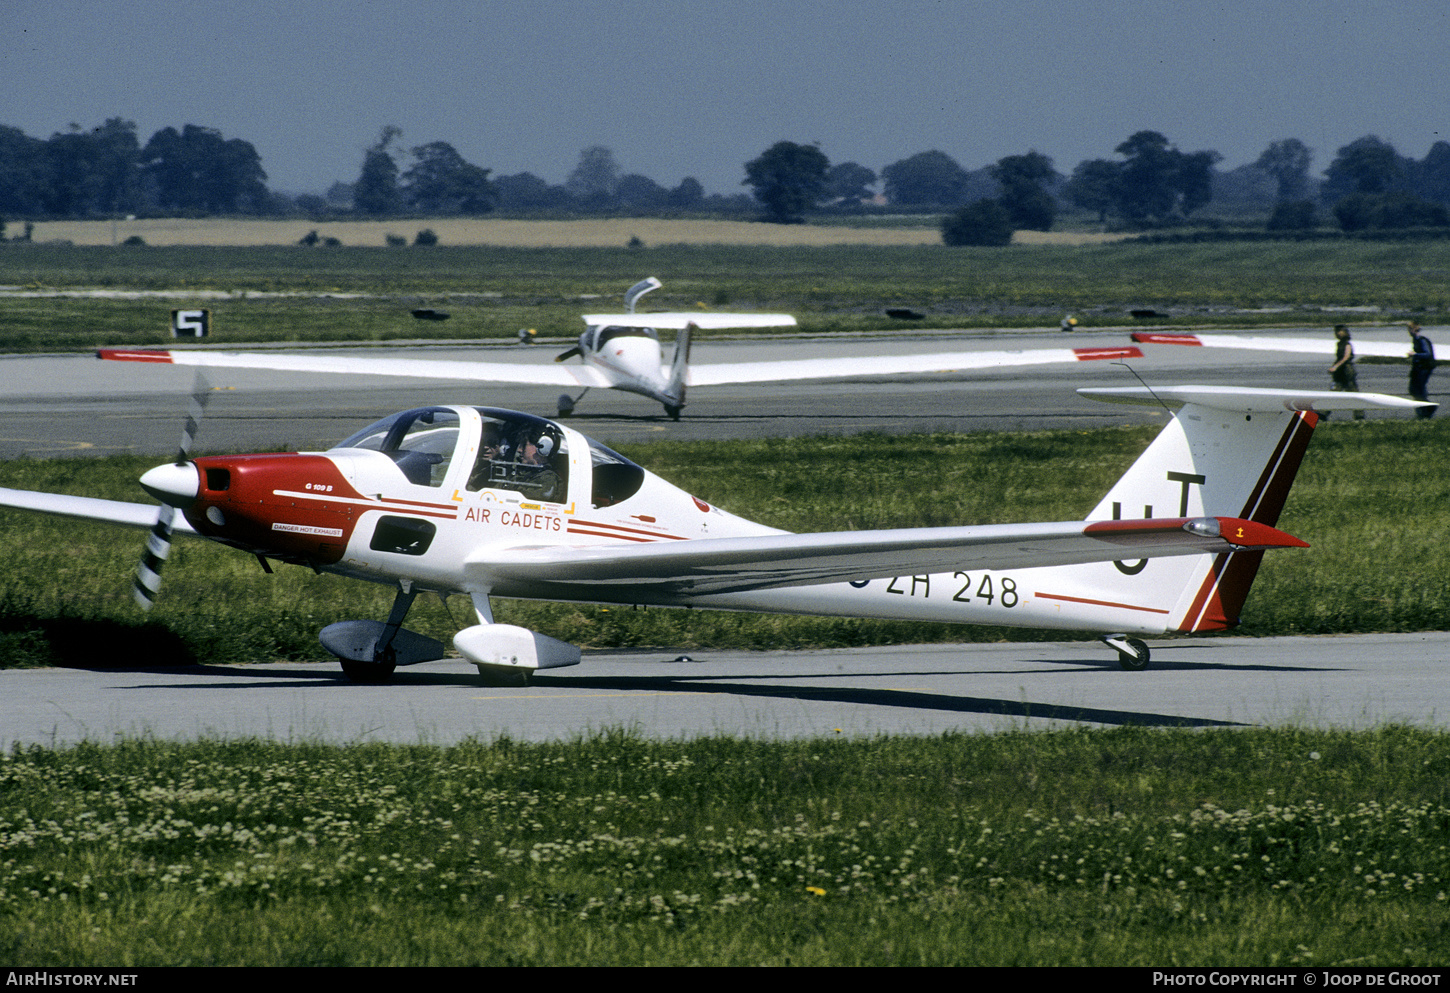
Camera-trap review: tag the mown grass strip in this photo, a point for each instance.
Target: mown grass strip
(1117, 847)
(834, 288)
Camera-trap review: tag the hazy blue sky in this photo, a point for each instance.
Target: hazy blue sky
(687, 88)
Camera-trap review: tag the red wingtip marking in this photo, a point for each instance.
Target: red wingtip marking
(1251, 534)
(1126, 352)
(1158, 338)
(133, 355)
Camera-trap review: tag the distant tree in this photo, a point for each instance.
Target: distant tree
(311, 203)
(1388, 211)
(440, 181)
(636, 192)
(87, 173)
(1293, 215)
(1432, 174)
(1287, 160)
(524, 191)
(788, 179)
(1158, 182)
(849, 183)
(1405, 210)
(1365, 165)
(339, 195)
(595, 179)
(925, 179)
(376, 191)
(1093, 186)
(1023, 194)
(197, 170)
(23, 173)
(687, 196)
(983, 222)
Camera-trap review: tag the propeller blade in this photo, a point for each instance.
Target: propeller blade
(147, 582)
(200, 395)
(565, 356)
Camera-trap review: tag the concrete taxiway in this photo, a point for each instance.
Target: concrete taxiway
(1332, 682)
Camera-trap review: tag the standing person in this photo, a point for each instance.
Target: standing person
(1342, 372)
(1422, 363)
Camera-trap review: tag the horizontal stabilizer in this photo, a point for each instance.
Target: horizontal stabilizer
(1247, 399)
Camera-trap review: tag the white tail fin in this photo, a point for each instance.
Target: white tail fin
(1228, 452)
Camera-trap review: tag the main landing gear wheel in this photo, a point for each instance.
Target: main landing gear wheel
(674, 412)
(367, 672)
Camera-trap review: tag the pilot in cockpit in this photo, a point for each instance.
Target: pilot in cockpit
(520, 463)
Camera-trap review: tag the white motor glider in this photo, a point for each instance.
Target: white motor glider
(486, 502)
(623, 352)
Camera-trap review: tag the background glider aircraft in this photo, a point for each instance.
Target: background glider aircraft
(486, 502)
(622, 352)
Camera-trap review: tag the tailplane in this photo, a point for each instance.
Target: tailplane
(1228, 452)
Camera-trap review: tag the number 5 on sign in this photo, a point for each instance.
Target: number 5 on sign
(190, 323)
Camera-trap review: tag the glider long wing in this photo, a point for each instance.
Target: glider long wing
(552, 374)
(1261, 343)
(672, 572)
(894, 365)
(557, 374)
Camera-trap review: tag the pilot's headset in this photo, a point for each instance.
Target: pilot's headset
(545, 445)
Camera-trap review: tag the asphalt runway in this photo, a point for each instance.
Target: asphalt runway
(1327, 682)
(75, 405)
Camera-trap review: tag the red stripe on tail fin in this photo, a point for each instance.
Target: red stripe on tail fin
(1226, 587)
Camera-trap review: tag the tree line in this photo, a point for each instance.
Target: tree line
(1147, 183)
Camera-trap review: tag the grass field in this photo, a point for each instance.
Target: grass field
(280, 294)
(1126, 847)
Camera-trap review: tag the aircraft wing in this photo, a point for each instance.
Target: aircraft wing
(136, 515)
(671, 572)
(551, 374)
(893, 365)
(1260, 343)
(679, 320)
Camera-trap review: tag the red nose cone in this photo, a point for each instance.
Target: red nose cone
(292, 507)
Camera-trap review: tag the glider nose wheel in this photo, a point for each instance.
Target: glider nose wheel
(1132, 652)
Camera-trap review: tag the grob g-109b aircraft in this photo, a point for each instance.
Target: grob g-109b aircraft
(623, 352)
(486, 502)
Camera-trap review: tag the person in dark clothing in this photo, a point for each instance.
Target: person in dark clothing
(1342, 372)
(1422, 363)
